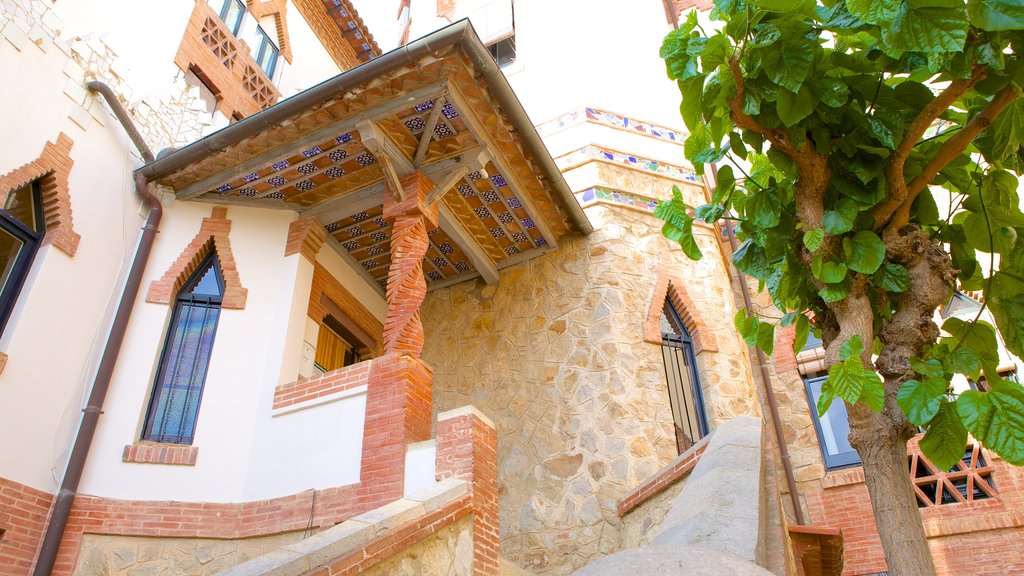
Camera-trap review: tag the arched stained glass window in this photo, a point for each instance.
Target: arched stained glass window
(174, 406)
(684, 389)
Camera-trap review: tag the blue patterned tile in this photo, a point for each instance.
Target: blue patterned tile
(499, 180)
(423, 107)
(490, 196)
(461, 266)
(369, 264)
(304, 186)
(511, 250)
(278, 166)
(443, 130)
(497, 232)
(224, 188)
(275, 196)
(365, 159)
(380, 221)
(445, 248)
(346, 137)
(506, 218)
(519, 237)
(379, 236)
(528, 223)
(449, 112)
(276, 181)
(466, 190)
(474, 176)
(333, 227)
(483, 213)
(514, 204)
(359, 216)
(415, 124)
(248, 191)
(252, 176)
(374, 250)
(350, 245)
(307, 168)
(440, 262)
(435, 275)
(337, 154)
(312, 152)
(334, 172)
(354, 231)
(540, 241)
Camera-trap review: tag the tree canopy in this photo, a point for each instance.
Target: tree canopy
(877, 148)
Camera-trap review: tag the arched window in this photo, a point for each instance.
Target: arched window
(684, 390)
(21, 230)
(174, 406)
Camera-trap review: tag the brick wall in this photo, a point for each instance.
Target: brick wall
(333, 382)
(984, 537)
(23, 512)
(669, 287)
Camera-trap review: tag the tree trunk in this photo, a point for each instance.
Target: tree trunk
(882, 445)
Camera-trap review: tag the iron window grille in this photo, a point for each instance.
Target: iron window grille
(684, 389)
(174, 406)
(230, 12)
(21, 230)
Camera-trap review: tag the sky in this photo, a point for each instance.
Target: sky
(380, 16)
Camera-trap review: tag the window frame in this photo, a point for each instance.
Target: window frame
(180, 301)
(683, 341)
(498, 47)
(846, 459)
(226, 9)
(260, 51)
(31, 241)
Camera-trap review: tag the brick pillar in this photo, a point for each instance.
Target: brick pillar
(467, 448)
(398, 398)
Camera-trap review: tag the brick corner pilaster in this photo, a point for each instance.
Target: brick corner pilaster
(212, 235)
(305, 237)
(52, 169)
(467, 448)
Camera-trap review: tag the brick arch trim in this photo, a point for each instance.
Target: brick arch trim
(52, 169)
(667, 287)
(212, 236)
(275, 8)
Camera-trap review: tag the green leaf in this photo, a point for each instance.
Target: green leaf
(893, 278)
(840, 219)
(793, 108)
(766, 337)
(765, 34)
(850, 381)
(826, 398)
(946, 437)
(996, 14)
(803, 330)
(865, 252)
(813, 239)
(852, 348)
(709, 212)
(1005, 298)
(882, 132)
(764, 208)
(977, 336)
(828, 271)
(783, 5)
(688, 243)
(836, 292)
(692, 90)
(725, 183)
(873, 11)
(834, 92)
(789, 63)
(929, 369)
(963, 361)
(746, 325)
(920, 400)
(928, 30)
(750, 259)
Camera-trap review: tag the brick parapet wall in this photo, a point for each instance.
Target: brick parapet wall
(334, 382)
(664, 478)
(23, 513)
(467, 448)
(960, 535)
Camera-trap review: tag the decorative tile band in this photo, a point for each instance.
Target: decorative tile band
(609, 196)
(589, 153)
(614, 120)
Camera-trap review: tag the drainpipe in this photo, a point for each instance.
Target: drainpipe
(76, 464)
(769, 392)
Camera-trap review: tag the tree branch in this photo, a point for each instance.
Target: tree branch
(894, 169)
(745, 121)
(950, 150)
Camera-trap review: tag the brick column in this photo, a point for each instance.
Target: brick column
(398, 398)
(467, 448)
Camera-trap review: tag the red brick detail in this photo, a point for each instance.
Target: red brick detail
(327, 286)
(305, 237)
(783, 355)
(660, 481)
(224, 64)
(333, 382)
(681, 7)
(23, 513)
(446, 9)
(818, 551)
(394, 541)
(3, 362)
(669, 287)
(343, 44)
(410, 218)
(161, 454)
(959, 534)
(213, 235)
(467, 448)
(52, 168)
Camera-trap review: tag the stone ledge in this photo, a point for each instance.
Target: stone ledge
(465, 411)
(173, 454)
(844, 477)
(979, 521)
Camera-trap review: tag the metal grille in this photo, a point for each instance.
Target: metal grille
(186, 358)
(684, 389)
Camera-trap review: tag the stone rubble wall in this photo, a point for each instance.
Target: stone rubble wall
(172, 119)
(103, 555)
(554, 353)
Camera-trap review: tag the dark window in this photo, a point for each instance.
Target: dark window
(21, 230)
(179, 384)
(833, 428)
(937, 488)
(504, 51)
(684, 390)
(266, 52)
(230, 12)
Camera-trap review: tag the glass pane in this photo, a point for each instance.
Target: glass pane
(233, 18)
(21, 204)
(208, 284)
(686, 409)
(180, 384)
(10, 248)
(835, 427)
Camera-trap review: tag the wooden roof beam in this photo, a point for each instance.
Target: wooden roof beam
(451, 226)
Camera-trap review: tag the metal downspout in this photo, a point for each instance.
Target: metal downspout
(90, 417)
(769, 391)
